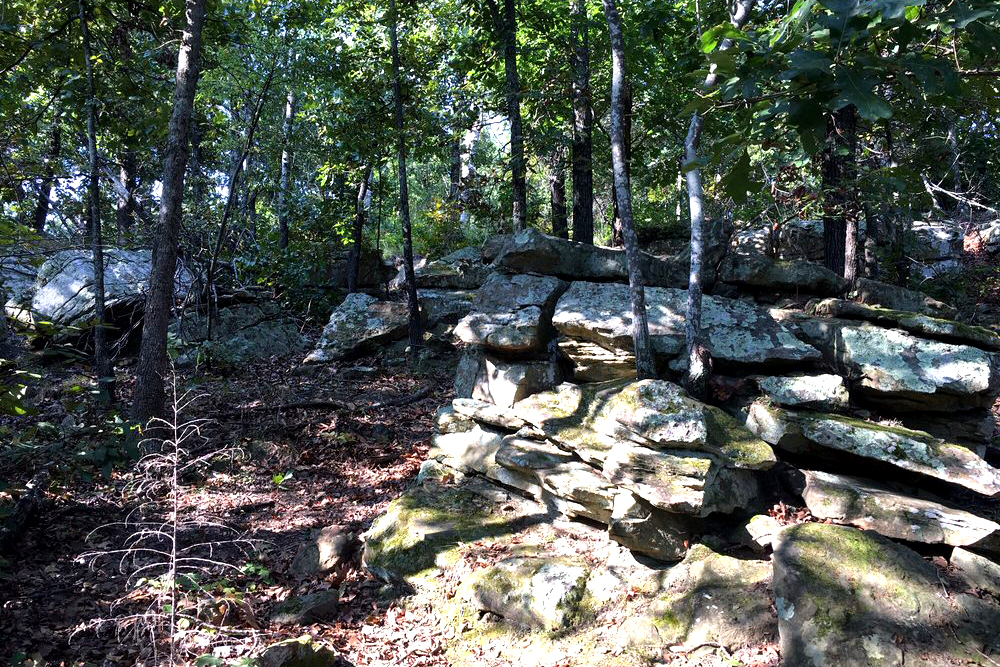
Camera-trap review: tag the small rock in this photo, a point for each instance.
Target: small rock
(331, 551)
(306, 609)
(536, 592)
(302, 652)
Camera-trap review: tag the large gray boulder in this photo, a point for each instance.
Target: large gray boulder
(917, 323)
(512, 314)
(818, 392)
(736, 331)
(913, 451)
(903, 516)
(357, 325)
(488, 378)
(17, 282)
(445, 305)
(64, 286)
(850, 597)
(763, 273)
(893, 297)
(903, 372)
(463, 269)
(241, 333)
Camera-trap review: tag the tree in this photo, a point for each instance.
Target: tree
(644, 363)
(357, 233)
(286, 169)
(45, 187)
(149, 395)
(413, 305)
(102, 356)
(583, 124)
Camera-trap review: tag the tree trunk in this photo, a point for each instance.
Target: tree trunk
(149, 394)
(699, 358)
(645, 365)
(357, 232)
(468, 193)
(102, 357)
(286, 169)
(45, 188)
(962, 208)
(557, 195)
(583, 124)
(129, 176)
(416, 330)
(517, 168)
(617, 229)
(839, 173)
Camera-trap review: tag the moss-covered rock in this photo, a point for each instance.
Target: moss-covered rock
(818, 392)
(305, 609)
(301, 652)
(850, 597)
(648, 530)
(708, 597)
(533, 591)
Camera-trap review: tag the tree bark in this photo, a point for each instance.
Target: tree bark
(617, 231)
(415, 328)
(839, 173)
(357, 232)
(129, 176)
(45, 188)
(699, 358)
(583, 124)
(149, 395)
(645, 365)
(286, 169)
(102, 356)
(557, 195)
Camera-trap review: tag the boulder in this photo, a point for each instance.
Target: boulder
(645, 529)
(467, 372)
(977, 571)
(797, 239)
(301, 652)
(17, 283)
(306, 609)
(762, 529)
(935, 246)
(530, 251)
(763, 273)
(448, 420)
(486, 413)
(330, 551)
(63, 293)
(241, 332)
(357, 325)
(709, 598)
(532, 591)
(819, 392)
(913, 451)
(736, 331)
(902, 372)
(504, 383)
(873, 506)
(560, 473)
(512, 314)
(922, 325)
(445, 305)
(467, 451)
(595, 363)
(850, 597)
(463, 269)
(893, 297)
(592, 419)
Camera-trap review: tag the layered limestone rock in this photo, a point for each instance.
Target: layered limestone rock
(922, 325)
(503, 382)
(913, 451)
(512, 313)
(596, 363)
(904, 372)
(468, 451)
(796, 276)
(359, 323)
(648, 530)
(736, 331)
(893, 297)
(873, 506)
(819, 392)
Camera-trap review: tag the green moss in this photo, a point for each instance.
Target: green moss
(736, 442)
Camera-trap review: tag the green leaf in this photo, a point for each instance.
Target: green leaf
(804, 61)
(739, 182)
(855, 88)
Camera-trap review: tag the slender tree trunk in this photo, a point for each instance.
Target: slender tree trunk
(102, 356)
(455, 168)
(507, 26)
(617, 230)
(699, 357)
(149, 394)
(839, 173)
(645, 365)
(195, 165)
(962, 208)
(557, 194)
(583, 124)
(45, 188)
(467, 195)
(129, 176)
(416, 329)
(357, 232)
(286, 169)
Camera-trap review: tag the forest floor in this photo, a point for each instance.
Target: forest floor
(336, 461)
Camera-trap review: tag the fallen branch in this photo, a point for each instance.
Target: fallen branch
(325, 404)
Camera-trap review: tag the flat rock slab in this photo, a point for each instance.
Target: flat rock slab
(872, 506)
(850, 597)
(486, 413)
(903, 372)
(512, 314)
(648, 530)
(977, 571)
(797, 276)
(818, 392)
(532, 591)
(359, 323)
(875, 293)
(918, 323)
(596, 363)
(735, 331)
(467, 451)
(914, 451)
(708, 597)
(445, 305)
